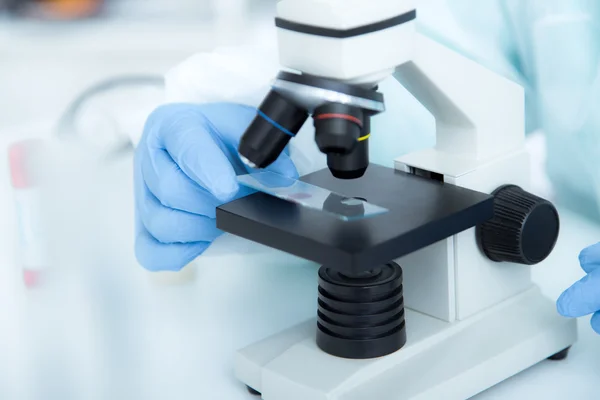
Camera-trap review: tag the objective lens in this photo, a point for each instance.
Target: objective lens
(276, 122)
(354, 164)
(337, 127)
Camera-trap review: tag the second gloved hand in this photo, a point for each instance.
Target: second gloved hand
(186, 166)
(583, 298)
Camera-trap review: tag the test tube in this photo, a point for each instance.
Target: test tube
(31, 245)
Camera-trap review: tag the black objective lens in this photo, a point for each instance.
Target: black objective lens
(354, 164)
(277, 121)
(337, 128)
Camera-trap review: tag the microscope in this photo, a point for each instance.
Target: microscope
(433, 299)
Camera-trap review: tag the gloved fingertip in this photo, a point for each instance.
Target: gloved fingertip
(172, 257)
(154, 256)
(563, 304)
(194, 250)
(284, 166)
(226, 190)
(583, 256)
(292, 173)
(244, 191)
(595, 322)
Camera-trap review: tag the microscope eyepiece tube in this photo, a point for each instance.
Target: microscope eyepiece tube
(276, 122)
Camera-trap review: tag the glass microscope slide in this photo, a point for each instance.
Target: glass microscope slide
(310, 196)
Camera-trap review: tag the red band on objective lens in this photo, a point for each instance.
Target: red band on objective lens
(340, 116)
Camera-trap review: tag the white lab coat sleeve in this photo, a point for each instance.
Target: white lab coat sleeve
(239, 75)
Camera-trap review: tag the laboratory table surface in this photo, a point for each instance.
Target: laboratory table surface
(101, 327)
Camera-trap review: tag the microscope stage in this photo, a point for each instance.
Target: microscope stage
(421, 212)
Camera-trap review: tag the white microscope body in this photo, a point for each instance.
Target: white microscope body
(471, 322)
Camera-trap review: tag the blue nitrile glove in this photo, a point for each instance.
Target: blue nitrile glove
(583, 298)
(185, 166)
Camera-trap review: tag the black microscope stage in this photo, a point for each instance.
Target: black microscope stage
(421, 212)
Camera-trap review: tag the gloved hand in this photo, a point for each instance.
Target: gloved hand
(185, 166)
(583, 298)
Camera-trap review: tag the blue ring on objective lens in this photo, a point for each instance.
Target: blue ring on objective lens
(275, 124)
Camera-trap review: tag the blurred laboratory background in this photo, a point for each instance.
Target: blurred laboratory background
(52, 50)
(79, 318)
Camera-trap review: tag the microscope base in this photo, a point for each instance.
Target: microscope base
(451, 361)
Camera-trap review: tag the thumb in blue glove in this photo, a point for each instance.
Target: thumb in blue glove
(583, 298)
(186, 166)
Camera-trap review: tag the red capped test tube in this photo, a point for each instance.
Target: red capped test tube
(31, 249)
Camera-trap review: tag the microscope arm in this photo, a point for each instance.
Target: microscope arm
(479, 114)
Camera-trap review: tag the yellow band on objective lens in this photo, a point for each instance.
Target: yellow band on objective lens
(360, 139)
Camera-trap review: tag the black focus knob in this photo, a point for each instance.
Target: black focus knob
(524, 228)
